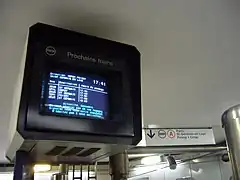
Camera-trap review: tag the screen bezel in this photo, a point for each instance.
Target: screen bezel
(120, 117)
(45, 111)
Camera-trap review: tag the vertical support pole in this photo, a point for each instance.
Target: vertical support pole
(231, 124)
(118, 166)
(88, 169)
(63, 173)
(23, 168)
(81, 171)
(18, 166)
(63, 168)
(28, 172)
(73, 172)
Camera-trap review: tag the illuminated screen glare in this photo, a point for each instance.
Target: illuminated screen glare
(75, 95)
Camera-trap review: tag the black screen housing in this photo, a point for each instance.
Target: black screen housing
(55, 49)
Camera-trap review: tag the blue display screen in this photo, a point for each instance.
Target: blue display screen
(75, 95)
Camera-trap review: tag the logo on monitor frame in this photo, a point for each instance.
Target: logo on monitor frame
(50, 50)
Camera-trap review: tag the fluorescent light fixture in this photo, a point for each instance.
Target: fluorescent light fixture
(41, 167)
(196, 160)
(151, 160)
(139, 155)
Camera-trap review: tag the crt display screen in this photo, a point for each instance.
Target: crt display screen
(75, 95)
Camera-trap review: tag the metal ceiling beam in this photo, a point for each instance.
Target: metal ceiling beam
(175, 149)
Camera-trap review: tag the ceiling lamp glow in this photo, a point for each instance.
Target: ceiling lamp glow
(41, 167)
(139, 155)
(151, 160)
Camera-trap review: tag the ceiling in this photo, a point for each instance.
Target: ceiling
(190, 52)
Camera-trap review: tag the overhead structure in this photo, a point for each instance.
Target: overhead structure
(78, 98)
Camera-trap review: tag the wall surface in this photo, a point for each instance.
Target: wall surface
(189, 50)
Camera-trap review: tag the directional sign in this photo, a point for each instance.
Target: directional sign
(171, 134)
(168, 137)
(150, 134)
(162, 134)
